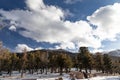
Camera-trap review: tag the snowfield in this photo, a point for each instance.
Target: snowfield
(64, 78)
(95, 78)
(105, 78)
(51, 76)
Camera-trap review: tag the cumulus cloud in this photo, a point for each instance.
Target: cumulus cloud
(35, 4)
(107, 21)
(46, 23)
(21, 47)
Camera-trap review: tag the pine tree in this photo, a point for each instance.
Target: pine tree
(85, 58)
(53, 62)
(14, 59)
(61, 62)
(107, 63)
(68, 63)
(38, 62)
(31, 63)
(4, 59)
(99, 62)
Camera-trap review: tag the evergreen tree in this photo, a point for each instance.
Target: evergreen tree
(31, 63)
(38, 62)
(53, 62)
(14, 60)
(61, 62)
(76, 62)
(68, 63)
(4, 59)
(107, 63)
(85, 58)
(99, 62)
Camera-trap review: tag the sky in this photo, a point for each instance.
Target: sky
(60, 24)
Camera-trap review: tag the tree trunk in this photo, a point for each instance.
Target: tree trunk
(51, 69)
(22, 73)
(46, 71)
(66, 70)
(61, 70)
(86, 70)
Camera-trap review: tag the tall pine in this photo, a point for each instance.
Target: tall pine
(85, 59)
(107, 63)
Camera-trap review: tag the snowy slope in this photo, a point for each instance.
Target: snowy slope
(114, 53)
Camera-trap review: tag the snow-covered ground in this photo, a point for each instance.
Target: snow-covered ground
(105, 78)
(64, 78)
(52, 76)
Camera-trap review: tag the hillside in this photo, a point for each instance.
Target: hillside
(114, 53)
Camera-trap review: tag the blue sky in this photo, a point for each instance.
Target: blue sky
(60, 24)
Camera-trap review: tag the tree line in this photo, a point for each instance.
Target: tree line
(43, 62)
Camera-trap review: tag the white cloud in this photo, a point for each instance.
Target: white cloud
(35, 4)
(107, 21)
(66, 45)
(21, 47)
(2, 23)
(12, 28)
(81, 34)
(38, 48)
(45, 23)
(67, 13)
(72, 1)
(97, 50)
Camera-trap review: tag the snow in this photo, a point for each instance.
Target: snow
(51, 76)
(64, 78)
(106, 78)
(95, 78)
